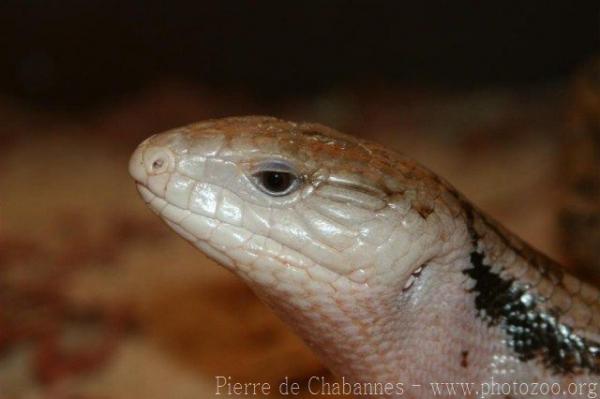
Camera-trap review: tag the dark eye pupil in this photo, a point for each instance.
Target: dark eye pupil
(276, 182)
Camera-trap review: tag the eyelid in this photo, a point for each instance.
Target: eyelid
(274, 166)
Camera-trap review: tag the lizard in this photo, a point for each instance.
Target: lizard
(386, 271)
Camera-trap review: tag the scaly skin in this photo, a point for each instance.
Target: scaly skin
(385, 271)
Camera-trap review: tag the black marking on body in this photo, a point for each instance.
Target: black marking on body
(533, 332)
(546, 266)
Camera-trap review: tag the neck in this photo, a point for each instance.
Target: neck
(347, 327)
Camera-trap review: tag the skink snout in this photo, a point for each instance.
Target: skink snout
(149, 161)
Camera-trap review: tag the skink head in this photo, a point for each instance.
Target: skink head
(285, 204)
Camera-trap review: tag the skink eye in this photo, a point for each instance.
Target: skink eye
(276, 180)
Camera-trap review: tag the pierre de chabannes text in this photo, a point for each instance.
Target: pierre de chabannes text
(318, 385)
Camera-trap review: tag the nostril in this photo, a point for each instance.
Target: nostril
(158, 164)
(158, 160)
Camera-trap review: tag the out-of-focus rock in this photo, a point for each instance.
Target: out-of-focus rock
(580, 216)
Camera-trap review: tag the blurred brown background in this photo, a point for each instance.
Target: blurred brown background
(99, 300)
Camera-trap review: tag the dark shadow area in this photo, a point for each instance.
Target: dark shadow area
(70, 54)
